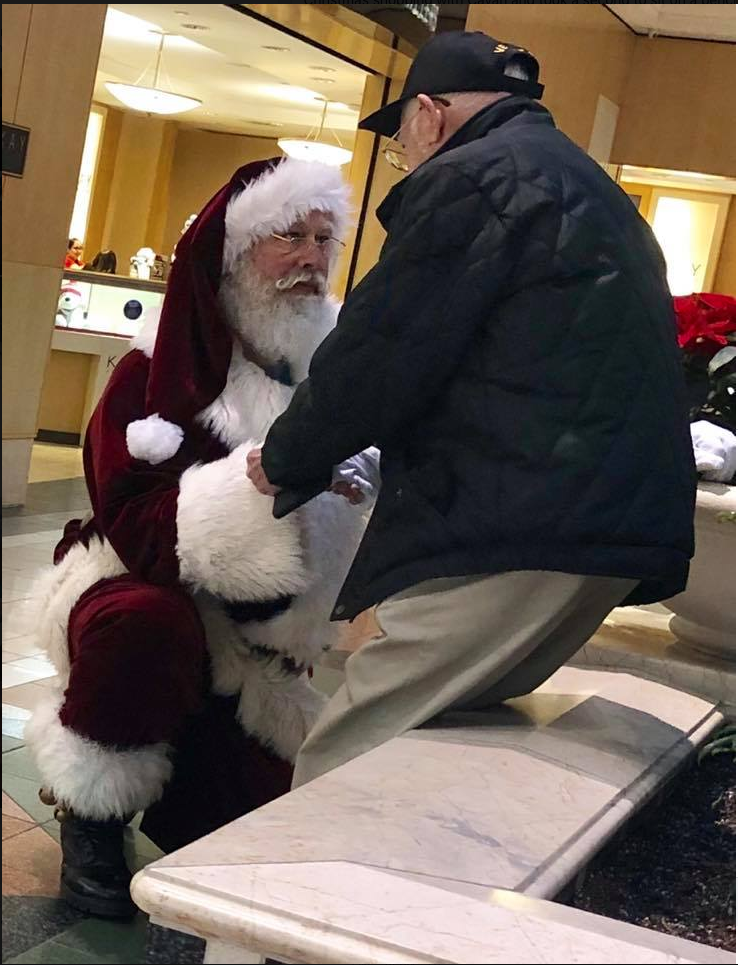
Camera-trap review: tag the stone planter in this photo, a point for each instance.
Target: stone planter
(704, 614)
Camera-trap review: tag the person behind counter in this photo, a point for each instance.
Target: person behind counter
(73, 259)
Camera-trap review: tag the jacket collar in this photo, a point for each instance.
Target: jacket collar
(479, 125)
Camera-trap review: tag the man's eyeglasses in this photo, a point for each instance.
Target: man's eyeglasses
(295, 241)
(394, 152)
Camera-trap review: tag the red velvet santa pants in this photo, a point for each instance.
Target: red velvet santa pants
(137, 654)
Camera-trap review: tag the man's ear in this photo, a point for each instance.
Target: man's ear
(432, 119)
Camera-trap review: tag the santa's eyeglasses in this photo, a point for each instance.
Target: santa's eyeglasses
(295, 241)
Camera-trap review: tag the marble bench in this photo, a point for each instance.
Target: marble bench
(447, 844)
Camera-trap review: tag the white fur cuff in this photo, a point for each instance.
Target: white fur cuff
(280, 711)
(96, 781)
(228, 541)
(153, 439)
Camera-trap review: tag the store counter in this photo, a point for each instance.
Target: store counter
(96, 319)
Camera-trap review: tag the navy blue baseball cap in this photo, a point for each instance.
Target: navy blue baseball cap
(459, 61)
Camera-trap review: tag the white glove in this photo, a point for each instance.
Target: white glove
(361, 470)
(714, 451)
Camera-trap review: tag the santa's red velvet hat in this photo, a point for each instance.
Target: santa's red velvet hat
(192, 353)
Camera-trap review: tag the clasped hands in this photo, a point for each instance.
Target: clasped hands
(346, 481)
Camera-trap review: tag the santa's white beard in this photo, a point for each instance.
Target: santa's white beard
(277, 324)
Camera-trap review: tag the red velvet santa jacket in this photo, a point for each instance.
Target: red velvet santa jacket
(196, 520)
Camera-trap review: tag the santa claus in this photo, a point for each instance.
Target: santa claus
(181, 615)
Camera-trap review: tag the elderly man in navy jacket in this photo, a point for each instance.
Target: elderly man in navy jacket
(513, 355)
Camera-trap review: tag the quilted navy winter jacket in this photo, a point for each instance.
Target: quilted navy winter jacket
(513, 355)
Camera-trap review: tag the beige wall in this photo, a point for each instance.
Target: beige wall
(725, 274)
(203, 162)
(63, 397)
(583, 50)
(383, 179)
(103, 183)
(678, 111)
(152, 175)
(138, 182)
(676, 97)
(50, 54)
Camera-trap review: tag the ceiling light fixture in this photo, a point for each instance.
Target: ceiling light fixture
(312, 148)
(153, 100)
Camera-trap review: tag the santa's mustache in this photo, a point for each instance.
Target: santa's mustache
(300, 276)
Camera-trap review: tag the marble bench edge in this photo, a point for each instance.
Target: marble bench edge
(548, 880)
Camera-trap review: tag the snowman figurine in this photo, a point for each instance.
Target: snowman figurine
(142, 263)
(69, 310)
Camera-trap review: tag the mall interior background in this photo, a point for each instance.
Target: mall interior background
(654, 101)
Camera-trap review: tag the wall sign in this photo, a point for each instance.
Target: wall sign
(15, 147)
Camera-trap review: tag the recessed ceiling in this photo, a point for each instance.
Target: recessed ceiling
(251, 78)
(695, 21)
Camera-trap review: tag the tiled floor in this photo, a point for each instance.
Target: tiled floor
(37, 925)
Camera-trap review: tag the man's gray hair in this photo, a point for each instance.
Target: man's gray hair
(476, 100)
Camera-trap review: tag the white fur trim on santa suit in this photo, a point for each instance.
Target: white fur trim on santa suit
(331, 530)
(278, 198)
(153, 439)
(146, 338)
(228, 541)
(58, 589)
(95, 781)
(279, 710)
(248, 405)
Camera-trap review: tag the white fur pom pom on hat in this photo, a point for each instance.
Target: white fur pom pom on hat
(153, 439)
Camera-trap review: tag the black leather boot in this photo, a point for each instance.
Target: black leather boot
(94, 875)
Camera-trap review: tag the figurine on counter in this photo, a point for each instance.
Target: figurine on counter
(142, 263)
(69, 310)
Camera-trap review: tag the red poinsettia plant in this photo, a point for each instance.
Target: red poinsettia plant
(704, 322)
(706, 335)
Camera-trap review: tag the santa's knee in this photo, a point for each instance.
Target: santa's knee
(137, 654)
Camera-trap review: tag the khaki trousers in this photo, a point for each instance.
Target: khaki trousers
(466, 643)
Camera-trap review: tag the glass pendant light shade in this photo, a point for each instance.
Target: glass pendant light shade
(314, 151)
(153, 100)
(311, 148)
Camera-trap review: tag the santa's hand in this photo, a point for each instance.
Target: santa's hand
(256, 474)
(350, 490)
(360, 472)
